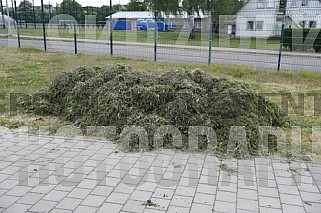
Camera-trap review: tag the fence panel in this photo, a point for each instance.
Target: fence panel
(273, 34)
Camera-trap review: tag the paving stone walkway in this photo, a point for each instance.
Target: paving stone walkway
(52, 174)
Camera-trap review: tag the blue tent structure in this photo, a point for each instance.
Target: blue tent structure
(122, 25)
(149, 24)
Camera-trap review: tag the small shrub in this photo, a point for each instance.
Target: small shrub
(302, 39)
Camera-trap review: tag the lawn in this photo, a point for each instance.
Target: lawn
(202, 39)
(28, 70)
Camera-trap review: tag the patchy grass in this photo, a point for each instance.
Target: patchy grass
(29, 70)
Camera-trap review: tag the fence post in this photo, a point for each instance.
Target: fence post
(16, 17)
(97, 17)
(3, 22)
(75, 29)
(34, 14)
(8, 14)
(111, 27)
(49, 11)
(284, 2)
(43, 26)
(25, 13)
(155, 30)
(211, 34)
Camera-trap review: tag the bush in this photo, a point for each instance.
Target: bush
(119, 96)
(302, 39)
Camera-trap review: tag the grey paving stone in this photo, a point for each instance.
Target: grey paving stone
(124, 188)
(268, 192)
(190, 182)
(269, 210)
(110, 207)
(251, 205)
(69, 203)
(30, 198)
(312, 207)
(79, 193)
(177, 209)
(161, 204)
(285, 181)
(226, 196)
(118, 198)
(292, 209)
(221, 206)
(55, 195)
(181, 201)
(94, 201)
(247, 194)
(229, 187)
(153, 211)
(185, 191)
(291, 200)
(206, 189)
(110, 181)
(6, 201)
(259, 185)
(8, 184)
(85, 209)
(196, 207)
(56, 210)
(43, 189)
(88, 184)
(102, 191)
(133, 206)
(206, 199)
(141, 195)
(163, 193)
(311, 197)
(3, 191)
(43, 206)
(269, 202)
(18, 208)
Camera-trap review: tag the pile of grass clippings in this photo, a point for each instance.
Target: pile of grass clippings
(118, 96)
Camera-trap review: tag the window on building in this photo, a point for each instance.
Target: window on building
(250, 25)
(294, 3)
(260, 4)
(173, 25)
(302, 24)
(305, 2)
(312, 24)
(186, 25)
(199, 25)
(271, 4)
(259, 25)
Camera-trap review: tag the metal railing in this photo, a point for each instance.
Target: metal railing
(250, 35)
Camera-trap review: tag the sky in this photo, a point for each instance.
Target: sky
(96, 3)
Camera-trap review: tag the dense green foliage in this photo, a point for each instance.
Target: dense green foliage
(302, 39)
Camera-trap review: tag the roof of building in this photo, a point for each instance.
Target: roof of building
(131, 15)
(147, 14)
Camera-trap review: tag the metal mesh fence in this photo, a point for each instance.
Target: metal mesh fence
(267, 34)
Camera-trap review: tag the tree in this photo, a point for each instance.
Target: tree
(136, 5)
(226, 7)
(25, 12)
(72, 8)
(117, 8)
(103, 12)
(221, 7)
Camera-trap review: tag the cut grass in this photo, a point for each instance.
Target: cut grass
(29, 70)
